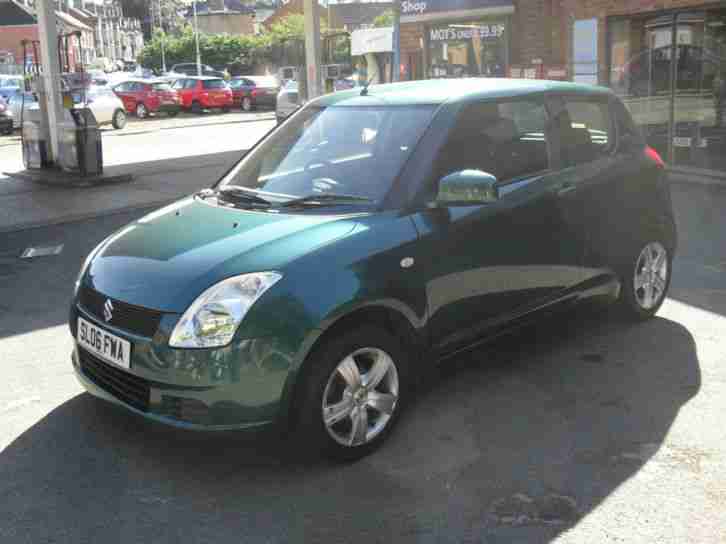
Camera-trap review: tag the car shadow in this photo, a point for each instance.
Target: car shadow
(517, 441)
(699, 269)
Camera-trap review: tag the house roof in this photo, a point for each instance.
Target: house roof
(12, 14)
(231, 6)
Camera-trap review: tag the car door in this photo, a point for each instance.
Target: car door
(123, 91)
(489, 263)
(592, 173)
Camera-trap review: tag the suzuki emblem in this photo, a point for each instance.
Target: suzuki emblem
(108, 310)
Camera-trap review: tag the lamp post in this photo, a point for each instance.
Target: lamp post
(396, 40)
(196, 38)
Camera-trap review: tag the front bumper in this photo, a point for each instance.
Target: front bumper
(242, 386)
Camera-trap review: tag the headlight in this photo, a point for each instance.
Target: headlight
(213, 318)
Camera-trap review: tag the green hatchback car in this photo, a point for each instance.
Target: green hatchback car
(371, 234)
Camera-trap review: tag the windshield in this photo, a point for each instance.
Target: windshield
(355, 151)
(10, 82)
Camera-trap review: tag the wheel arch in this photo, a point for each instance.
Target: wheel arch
(391, 315)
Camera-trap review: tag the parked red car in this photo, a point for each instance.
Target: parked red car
(145, 97)
(199, 93)
(252, 91)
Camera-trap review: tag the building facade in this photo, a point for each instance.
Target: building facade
(667, 60)
(106, 35)
(482, 38)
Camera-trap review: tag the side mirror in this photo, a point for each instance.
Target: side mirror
(466, 188)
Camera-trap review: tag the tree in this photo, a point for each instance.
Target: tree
(384, 19)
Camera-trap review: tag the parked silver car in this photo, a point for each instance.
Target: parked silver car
(105, 105)
(288, 101)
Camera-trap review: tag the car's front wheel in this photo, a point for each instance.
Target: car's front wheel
(247, 104)
(353, 394)
(645, 280)
(119, 119)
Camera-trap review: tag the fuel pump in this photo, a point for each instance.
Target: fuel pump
(79, 140)
(33, 132)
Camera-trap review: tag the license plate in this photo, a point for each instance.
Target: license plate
(104, 344)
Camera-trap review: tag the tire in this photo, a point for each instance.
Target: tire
(225, 109)
(119, 119)
(279, 119)
(172, 113)
(645, 279)
(141, 111)
(196, 107)
(324, 387)
(247, 104)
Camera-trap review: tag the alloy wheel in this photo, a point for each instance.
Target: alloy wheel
(141, 111)
(119, 119)
(651, 275)
(360, 397)
(246, 104)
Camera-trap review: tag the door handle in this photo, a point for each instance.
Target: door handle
(566, 188)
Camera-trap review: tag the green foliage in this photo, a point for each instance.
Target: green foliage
(384, 19)
(282, 43)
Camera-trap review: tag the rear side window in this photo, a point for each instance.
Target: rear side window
(213, 84)
(585, 131)
(161, 87)
(505, 139)
(190, 83)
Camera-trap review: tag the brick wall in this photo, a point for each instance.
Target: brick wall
(602, 9)
(11, 36)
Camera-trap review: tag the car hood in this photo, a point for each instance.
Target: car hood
(167, 258)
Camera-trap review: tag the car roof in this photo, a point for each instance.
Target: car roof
(440, 91)
(201, 78)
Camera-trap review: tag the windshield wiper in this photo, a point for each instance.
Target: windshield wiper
(242, 194)
(324, 199)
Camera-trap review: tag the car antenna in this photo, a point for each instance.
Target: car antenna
(364, 90)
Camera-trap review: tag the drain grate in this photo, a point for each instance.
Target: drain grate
(41, 251)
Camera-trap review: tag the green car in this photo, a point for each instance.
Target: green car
(374, 233)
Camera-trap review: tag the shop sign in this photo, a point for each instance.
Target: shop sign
(413, 8)
(467, 32)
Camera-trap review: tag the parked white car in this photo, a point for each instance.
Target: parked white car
(288, 101)
(105, 105)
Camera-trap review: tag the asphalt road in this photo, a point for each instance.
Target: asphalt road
(582, 429)
(160, 138)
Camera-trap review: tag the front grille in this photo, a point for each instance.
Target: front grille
(134, 319)
(126, 387)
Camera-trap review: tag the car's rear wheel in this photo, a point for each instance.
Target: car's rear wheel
(119, 119)
(353, 394)
(645, 280)
(196, 107)
(141, 111)
(247, 104)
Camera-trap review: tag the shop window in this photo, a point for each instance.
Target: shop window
(468, 49)
(505, 139)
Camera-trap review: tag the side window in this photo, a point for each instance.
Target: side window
(585, 131)
(505, 139)
(191, 84)
(122, 88)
